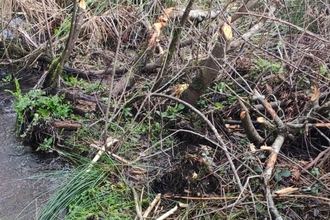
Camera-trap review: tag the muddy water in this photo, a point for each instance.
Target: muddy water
(26, 179)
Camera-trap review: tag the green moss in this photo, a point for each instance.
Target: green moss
(198, 83)
(55, 70)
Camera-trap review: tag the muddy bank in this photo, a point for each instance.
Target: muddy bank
(27, 179)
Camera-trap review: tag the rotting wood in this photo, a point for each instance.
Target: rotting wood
(81, 102)
(68, 125)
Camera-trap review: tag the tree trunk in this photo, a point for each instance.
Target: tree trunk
(56, 67)
(208, 72)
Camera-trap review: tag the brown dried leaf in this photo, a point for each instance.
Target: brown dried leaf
(295, 173)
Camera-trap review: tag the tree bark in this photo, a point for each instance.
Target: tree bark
(208, 72)
(212, 65)
(56, 67)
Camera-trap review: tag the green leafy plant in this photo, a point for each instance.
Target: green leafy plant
(202, 103)
(279, 174)
(315, 171)
(264, 64)
(46, 145)
(93, 202)
(19, 103)
(171, 112)
(84, 85)
(64, 29)
(127, 111)
(258, 169)
(36, 101)
(324, 70)
(315, 189)
(7, 78)
(220, 87)
(53, 106)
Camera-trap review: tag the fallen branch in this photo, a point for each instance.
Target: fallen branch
(167, 214)
(248, 5)
(276, 147)
(248, 126)
(323, 108)
(172, 211)
(246, 36)
(137, 204)
(315, 161)
(267, 124)
(152, 205)
(275, 19)
(244, 8)
(308, 125)
(67, 125)
(225, 198)
(118, 158)
(109, 142)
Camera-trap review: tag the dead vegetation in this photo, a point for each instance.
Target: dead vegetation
(247, 139)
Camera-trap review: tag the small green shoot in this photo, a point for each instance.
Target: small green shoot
(324, 70)
(279, 174)
(315, 189)
(171, 112)
(7, 78)
(265, 64)
(46, 145)
(201, 103)
(87, 87)
(315, 171)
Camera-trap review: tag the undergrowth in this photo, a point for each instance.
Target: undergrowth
(91, 193)
(195, 156)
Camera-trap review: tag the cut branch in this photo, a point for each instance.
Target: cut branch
(249, 129)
